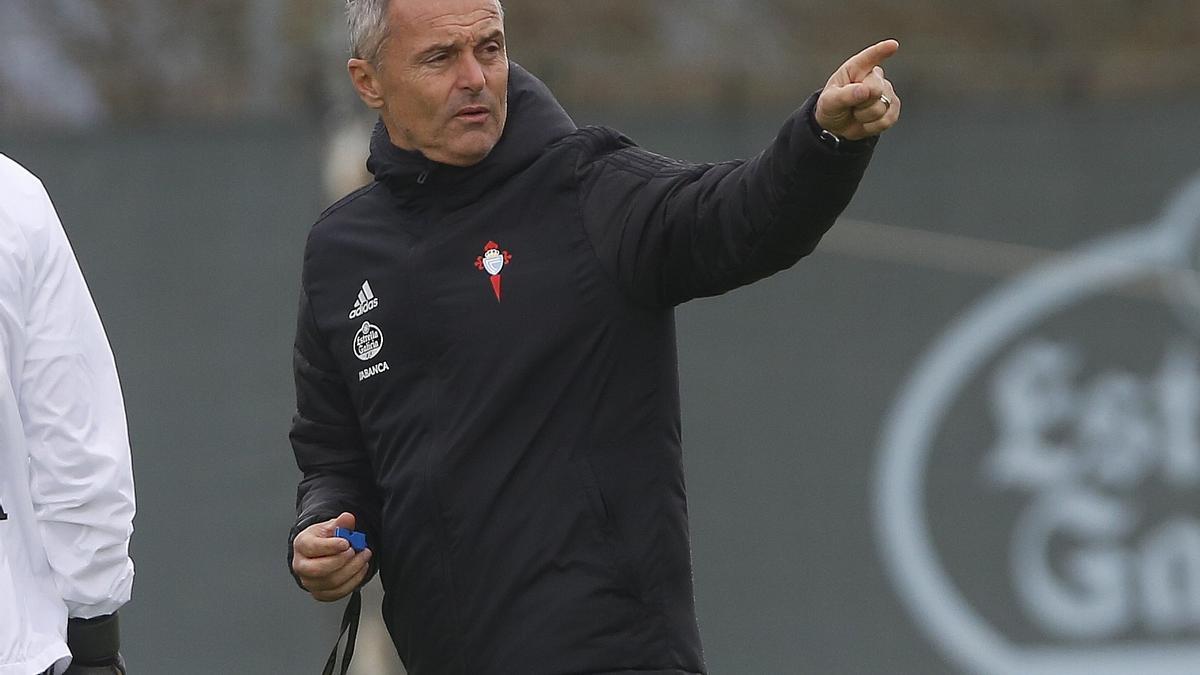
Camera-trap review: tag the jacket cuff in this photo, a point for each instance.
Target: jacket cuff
(808, 112)
(94, 642)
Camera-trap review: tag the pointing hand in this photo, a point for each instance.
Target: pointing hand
(858, 101)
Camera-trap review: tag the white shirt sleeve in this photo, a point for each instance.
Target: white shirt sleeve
(81, 478)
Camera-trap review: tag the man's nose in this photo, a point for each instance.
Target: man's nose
(470, 74)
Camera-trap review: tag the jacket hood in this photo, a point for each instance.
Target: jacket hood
(535, 120)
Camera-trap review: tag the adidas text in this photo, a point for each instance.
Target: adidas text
(365, 302)
(364, 308)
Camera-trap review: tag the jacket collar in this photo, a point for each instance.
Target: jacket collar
(535, 120)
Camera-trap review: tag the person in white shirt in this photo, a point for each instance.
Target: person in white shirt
(66, 480)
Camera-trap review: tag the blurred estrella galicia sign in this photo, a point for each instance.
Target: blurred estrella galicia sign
(1037, 488)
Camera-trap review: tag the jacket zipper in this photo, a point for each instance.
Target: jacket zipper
(424, 176)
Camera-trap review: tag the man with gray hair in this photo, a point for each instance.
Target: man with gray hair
(485, 356)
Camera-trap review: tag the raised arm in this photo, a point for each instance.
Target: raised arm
(670, 231)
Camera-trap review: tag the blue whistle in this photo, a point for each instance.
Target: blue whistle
(358, 540)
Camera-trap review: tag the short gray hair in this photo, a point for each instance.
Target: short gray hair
(367, 21)
(368, 24)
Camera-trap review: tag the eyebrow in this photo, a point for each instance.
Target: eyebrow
(495, 34)
(434, 49)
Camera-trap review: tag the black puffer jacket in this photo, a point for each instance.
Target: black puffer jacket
(486, 377)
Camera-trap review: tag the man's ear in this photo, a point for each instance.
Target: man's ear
(366, 82)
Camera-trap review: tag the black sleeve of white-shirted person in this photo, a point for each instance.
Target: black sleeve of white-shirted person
(669, 231)
(327, 442)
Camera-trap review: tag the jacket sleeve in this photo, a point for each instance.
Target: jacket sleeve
(81, 476)
(327, 440)
(669, 231)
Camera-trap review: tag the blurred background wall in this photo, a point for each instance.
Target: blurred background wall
(962, 436)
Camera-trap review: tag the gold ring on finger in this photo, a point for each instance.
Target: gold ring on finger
(887, 102)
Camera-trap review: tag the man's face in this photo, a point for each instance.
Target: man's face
(441, 84)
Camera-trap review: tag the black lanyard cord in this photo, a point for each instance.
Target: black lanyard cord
(350, 630)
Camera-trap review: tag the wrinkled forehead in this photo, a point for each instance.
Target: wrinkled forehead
(439, 20)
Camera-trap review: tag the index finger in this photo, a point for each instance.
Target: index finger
(311, 544)
(860, 65)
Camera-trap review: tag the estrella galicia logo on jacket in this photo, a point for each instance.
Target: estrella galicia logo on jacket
(368, 341)
(365, 302)
(493, 261)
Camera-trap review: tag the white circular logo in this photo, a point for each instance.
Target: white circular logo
(368, 341)
(1085, 453)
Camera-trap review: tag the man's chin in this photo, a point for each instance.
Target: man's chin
(469, 152)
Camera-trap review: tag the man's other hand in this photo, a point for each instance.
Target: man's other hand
(327, 566)
(858, 101)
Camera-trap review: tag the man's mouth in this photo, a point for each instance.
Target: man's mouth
(474, 113)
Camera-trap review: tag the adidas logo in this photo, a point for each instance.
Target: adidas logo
(366, 301)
